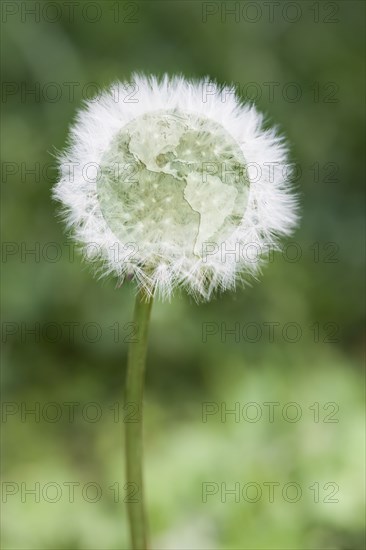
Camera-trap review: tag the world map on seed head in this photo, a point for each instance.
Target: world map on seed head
(173, 180)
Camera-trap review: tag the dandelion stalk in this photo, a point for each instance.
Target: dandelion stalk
(134, 428)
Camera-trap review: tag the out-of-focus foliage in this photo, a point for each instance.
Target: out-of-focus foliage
(316, 286)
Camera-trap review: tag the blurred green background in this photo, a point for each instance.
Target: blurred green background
(309, 54)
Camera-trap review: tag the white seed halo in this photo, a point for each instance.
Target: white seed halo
(175, 185)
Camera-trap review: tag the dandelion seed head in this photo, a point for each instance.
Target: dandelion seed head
(170, 174)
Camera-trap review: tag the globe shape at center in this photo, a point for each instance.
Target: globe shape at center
(173, 183)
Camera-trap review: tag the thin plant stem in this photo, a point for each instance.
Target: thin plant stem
(134, 425)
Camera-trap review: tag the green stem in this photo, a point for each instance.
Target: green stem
(133, 428)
